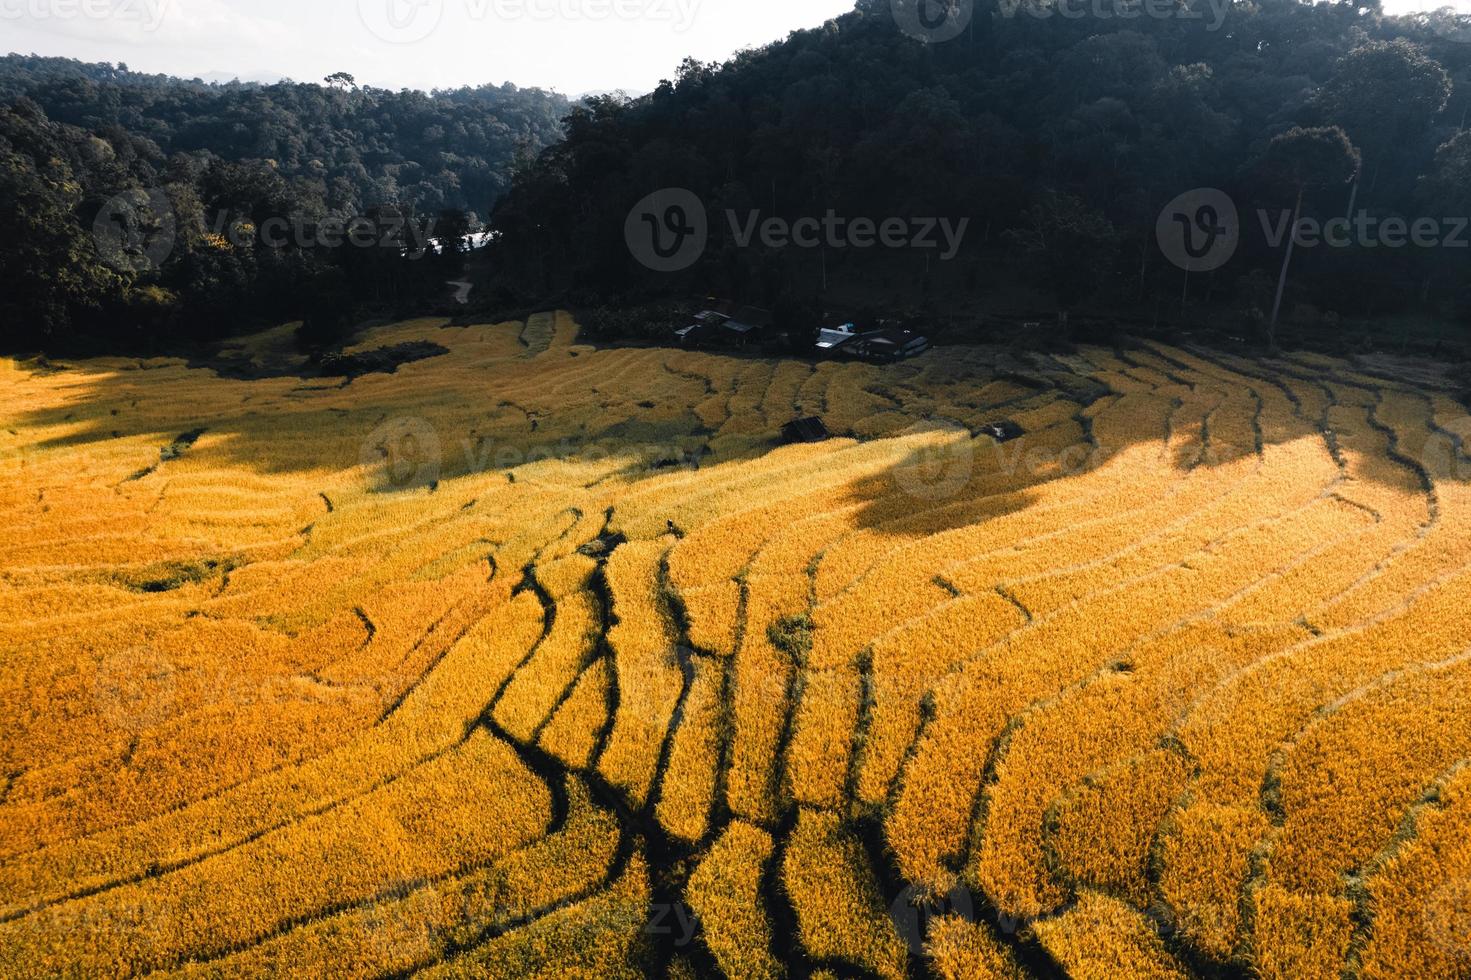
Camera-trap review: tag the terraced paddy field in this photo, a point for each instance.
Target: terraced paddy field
(532, 659)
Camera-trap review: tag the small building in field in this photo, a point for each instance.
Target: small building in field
(748, 321)
(716, 328)
(831, 339)
(804, 430)
(1003, 431)
(888, 345)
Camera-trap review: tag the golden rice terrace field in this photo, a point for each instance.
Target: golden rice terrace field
(536, 660)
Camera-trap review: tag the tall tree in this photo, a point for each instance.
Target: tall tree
(1300, 159)
(1384, 94)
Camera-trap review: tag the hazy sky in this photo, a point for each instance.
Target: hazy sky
(570, 45)
(573, 46)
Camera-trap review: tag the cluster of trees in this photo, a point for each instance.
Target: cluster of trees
(1061, 138)
(236, 204)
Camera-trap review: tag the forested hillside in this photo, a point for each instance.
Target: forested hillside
(204, 169)
(1060, 132)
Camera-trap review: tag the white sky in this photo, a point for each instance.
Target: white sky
(573, 46)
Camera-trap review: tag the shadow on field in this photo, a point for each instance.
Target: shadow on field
(575, 417)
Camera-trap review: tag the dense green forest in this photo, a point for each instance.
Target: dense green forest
(1060, 138)
(225, 204)
(1049, 135)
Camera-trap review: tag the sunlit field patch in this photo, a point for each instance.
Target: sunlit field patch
(536, 658)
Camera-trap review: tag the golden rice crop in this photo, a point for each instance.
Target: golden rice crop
(820, 752)
(417, 926)
(1099, 831)
(600, 938)
(962, 950)
(648, 672)
(840, 914)
(762, 675)
(1344, 786)
(1106, 719)
(391, 676)
(477, 803)
(1101, 938)
(572, 734)
(725, 892)
(687, 791)
(537, 689)
(1417, 891)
